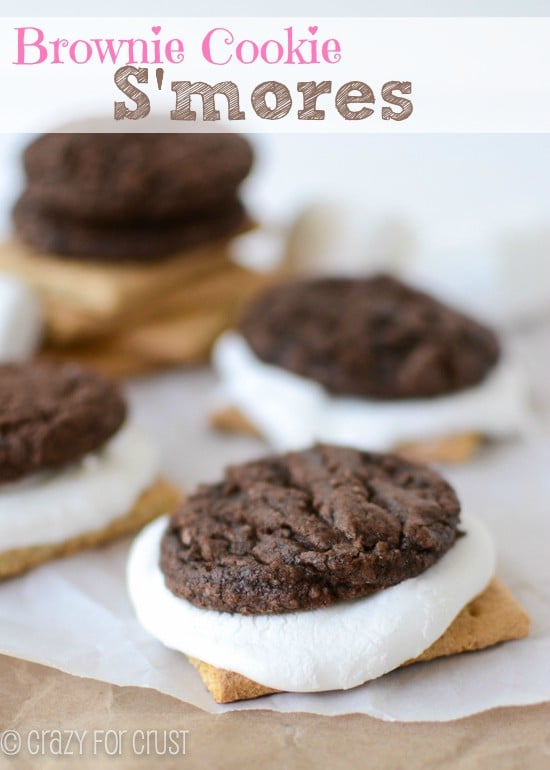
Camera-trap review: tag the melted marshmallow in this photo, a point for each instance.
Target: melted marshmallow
(55, 506)
(20, 320)
(332, 648)
(293, 412)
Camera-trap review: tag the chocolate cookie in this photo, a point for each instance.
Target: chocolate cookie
(109, 242)
(375, 338)
(51, 416)
(306, 529)
(134, 177)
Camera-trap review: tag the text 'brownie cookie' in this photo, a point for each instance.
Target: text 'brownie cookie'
(319, 570)
(74, 470)
(372, 363)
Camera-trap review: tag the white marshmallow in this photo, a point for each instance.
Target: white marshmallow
(340, 239)
(293, 412)
(333, 648)
(21, 322)
(54, 506)
(502, 277)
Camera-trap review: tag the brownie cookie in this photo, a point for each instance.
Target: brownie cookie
(110, 242)
(51, 416)
(374, 338)
(134, 177)
(306, 529)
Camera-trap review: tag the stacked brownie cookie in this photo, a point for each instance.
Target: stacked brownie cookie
(117, 197)
(372, 363)
(319, 570)
(126, 238)
(74, 471)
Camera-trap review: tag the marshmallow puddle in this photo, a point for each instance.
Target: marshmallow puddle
(333, 648)
(55, 506)
(293, 412)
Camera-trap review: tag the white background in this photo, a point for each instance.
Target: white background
(450, 182)
(321, 7)
(436, 182)
(467, 75)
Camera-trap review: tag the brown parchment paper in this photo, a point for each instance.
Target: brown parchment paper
(37, 698)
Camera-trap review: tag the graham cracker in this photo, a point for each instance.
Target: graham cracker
(449, 451)
(226, 287)
(177, 334)
(229, 419)
(106, 359)
(177, 340)
(160, 498)
(104, 289)
(149, 347)
(493, 617)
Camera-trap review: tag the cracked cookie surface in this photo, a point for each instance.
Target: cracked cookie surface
(51, 415)
(112, 242)
(134, 177)
(306, 529)
(374, 338)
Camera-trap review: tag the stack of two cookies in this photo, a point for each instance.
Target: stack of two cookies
(125, 238)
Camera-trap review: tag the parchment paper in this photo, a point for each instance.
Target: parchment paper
(74, 614)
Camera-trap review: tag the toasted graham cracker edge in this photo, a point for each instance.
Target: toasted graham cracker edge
(108, 287)
(113, 363)
(147, 348)
(111, 287)
(160, 498)
(492, 617)
(170, 339)
(227, 686)
(229, 419)
(451, 450)
(223, 289)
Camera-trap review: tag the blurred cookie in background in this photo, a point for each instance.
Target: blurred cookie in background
(125, 238)
(369, 363)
